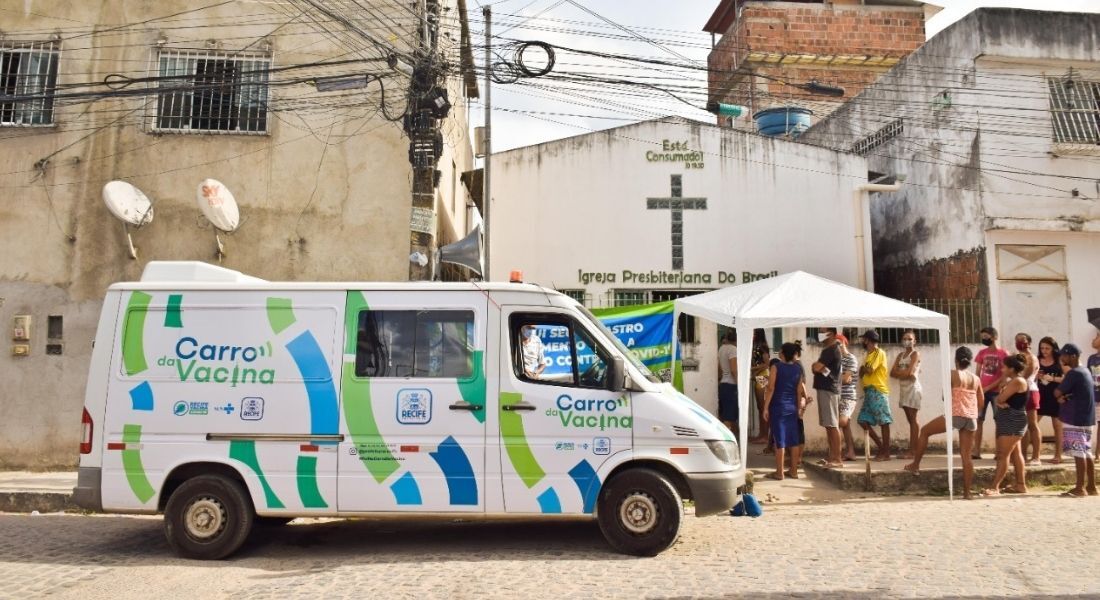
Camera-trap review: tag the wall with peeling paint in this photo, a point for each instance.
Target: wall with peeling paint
(980, 164)
(324, 195)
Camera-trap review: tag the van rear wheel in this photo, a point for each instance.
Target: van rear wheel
(208, 517)
(640, 512)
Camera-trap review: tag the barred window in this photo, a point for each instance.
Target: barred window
(1075, 110)
(579, 295)
(28, 80)
(212, 92)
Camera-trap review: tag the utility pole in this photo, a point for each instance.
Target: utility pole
(487, 149)
(427, 105)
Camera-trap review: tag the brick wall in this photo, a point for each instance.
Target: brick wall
(819, 29)
(958, 277)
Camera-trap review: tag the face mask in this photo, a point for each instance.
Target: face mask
(987, 341)
(1021, 346)
(821, 337)
(530, 333)
(907, 343)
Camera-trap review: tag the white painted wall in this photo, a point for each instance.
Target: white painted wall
(579, 204)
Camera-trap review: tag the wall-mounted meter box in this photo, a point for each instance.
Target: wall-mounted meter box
(21, 328)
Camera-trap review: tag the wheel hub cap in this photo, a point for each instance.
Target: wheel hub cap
(639, 513)
(205, 518)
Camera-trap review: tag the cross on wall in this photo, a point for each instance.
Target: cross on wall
(677, 204)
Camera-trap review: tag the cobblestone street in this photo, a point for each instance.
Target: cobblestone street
(866, 548)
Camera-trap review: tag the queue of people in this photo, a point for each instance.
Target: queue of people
(1019, 388)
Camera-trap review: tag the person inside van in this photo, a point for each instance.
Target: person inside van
(534, 356)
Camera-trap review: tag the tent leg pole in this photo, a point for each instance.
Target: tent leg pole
(867, 460)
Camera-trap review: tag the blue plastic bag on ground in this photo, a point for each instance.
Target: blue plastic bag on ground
(747, 507)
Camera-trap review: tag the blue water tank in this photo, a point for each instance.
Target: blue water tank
(783, 120)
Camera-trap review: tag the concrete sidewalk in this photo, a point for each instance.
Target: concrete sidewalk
(25, 491)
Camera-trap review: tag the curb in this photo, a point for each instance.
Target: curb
(43, 502)
(932, 481)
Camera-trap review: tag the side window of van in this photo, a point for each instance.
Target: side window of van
(415, 343)
(554, 350)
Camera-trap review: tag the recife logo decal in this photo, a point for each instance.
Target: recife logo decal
(414, 406)
(584, 413)
(219, 363)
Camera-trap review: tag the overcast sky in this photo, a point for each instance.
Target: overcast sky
(532, 111)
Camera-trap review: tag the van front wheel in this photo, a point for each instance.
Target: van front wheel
(208, 517)
(640, 512)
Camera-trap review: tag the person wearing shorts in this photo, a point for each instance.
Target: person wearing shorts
(876, 395)
(964, 418)
(849, 376)
(1077, 396)
(989, 365)
(826, 375)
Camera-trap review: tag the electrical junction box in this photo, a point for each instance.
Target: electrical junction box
(21, 328)
(21, 350)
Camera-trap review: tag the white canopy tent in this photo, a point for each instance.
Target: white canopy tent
(800, 299)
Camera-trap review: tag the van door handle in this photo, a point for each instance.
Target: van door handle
(463, 405)
(519, 406)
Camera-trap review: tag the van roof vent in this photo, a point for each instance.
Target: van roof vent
(192, 271)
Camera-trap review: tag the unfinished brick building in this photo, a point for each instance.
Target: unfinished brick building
(767, 45)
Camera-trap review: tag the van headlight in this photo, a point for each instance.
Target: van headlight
(725, 451)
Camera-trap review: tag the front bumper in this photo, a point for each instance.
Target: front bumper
(88, 493)
(715, 492)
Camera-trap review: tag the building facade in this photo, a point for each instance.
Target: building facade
(300, 115)
(768, 49)
(662, 209)
(994, 125)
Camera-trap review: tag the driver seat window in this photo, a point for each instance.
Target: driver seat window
(555, 350)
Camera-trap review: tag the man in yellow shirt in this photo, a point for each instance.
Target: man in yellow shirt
(876, 395)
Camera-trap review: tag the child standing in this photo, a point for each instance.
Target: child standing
(1077, 396)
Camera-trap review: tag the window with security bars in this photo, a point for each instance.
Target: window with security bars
(28, 80)
(209, 92)
(579, 295)
(686, 326)
(1075, 110)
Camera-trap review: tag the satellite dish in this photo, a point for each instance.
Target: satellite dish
(218, 205)
(220, 208)
(128, 203)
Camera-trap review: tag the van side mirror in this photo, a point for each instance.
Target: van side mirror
(616, 375)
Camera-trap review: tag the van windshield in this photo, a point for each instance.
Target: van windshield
(619, 344)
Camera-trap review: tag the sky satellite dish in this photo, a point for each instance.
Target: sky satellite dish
(218, 205)
(220, 208)
(129, 205)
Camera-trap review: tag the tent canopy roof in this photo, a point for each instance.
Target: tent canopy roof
(801, 299)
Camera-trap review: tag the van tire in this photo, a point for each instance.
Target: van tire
(208, 517)
(640, 512)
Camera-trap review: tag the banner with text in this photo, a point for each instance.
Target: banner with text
(647, 330)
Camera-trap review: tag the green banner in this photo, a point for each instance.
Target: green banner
(647, 330)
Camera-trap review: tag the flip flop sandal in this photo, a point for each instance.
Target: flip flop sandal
(1070, 495)
(1011, 490)
(775, 477)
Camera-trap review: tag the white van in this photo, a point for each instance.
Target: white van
(224, 400)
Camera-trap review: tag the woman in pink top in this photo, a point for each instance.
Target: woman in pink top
(964, 418)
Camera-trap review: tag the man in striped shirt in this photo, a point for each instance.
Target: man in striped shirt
(849, 371)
